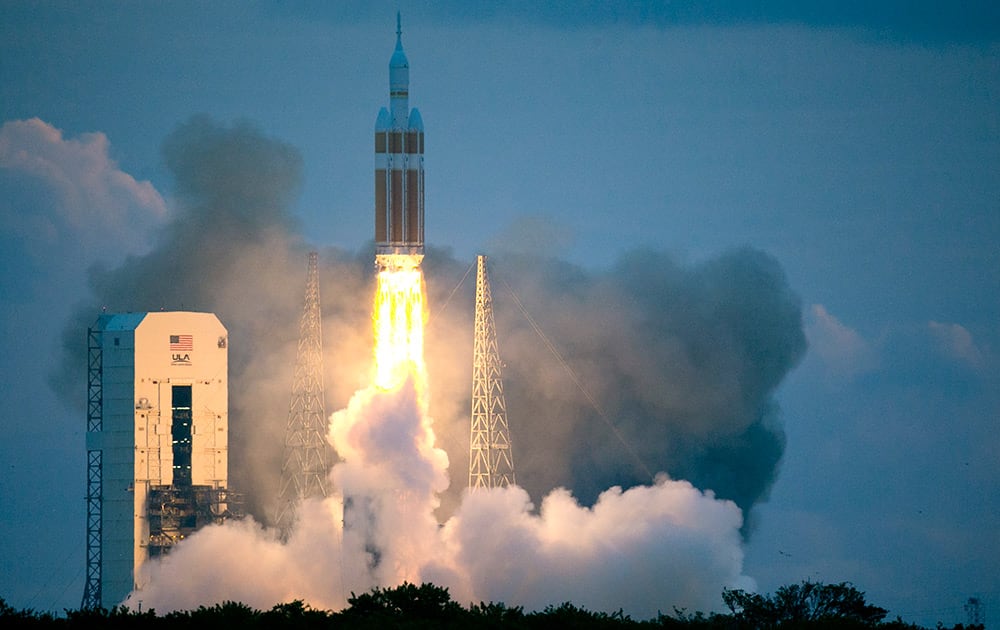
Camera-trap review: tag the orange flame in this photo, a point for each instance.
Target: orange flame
(398, 317)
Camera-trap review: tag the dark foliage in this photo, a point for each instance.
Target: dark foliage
(406, 606)
(807, 605)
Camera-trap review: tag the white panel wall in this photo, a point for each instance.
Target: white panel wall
(139, 371)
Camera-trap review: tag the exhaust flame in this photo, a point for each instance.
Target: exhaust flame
(398, 318)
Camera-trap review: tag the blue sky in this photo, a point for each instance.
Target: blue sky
(855, 143)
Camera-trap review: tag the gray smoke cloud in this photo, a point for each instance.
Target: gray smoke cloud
(612, 377)
(651, 366)
(231, 249)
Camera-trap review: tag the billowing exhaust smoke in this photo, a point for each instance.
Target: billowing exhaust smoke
(684, 360)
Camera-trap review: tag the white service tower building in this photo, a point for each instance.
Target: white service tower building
(157, 441)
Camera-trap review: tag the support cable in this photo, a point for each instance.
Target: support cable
(576, 379)
(453, 291)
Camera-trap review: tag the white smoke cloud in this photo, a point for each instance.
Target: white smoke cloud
(242, 561)
(391, 475)
(643, 550)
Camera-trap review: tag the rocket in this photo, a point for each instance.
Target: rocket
(399, 171)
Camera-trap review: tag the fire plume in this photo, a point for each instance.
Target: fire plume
(398, 319)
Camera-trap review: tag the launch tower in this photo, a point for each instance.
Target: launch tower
(157, 442)
(399, 171)
(303, 473)
(491, 463)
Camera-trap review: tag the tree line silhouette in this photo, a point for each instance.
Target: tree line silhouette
(808, 605)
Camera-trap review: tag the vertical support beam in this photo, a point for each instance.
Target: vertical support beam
(92, 598)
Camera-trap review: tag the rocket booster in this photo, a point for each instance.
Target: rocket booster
(399, 170)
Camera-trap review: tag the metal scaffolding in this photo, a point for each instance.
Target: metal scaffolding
(305, 465)
(176, 512)
(491, 463)
(95, 472)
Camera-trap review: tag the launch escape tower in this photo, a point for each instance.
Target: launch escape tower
(399, 170)
(491, 463)
(303, 473)
(157, 442)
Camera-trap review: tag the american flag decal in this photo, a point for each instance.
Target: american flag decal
(181, 343)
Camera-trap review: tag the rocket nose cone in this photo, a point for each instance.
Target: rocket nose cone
(415, 123)
(384, 120)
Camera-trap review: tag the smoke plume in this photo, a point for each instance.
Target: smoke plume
(640, 550)
(640, 400)
(667, 368)
(232, 250)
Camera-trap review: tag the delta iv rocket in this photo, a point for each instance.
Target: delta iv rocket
(399, 171)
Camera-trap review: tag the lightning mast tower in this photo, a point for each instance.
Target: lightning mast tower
(491, 464)
(303, 473)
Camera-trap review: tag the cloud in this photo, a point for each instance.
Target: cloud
(843, 351)
(64, 205)
(906, 351)
(956, 343)
(86, 196)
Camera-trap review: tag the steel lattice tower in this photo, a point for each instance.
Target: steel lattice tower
(304, 471)
(491, 463)
(92, 597)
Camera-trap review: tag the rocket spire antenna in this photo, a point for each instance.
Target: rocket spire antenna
(399, 26)
(304, 468)
(491, 463)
